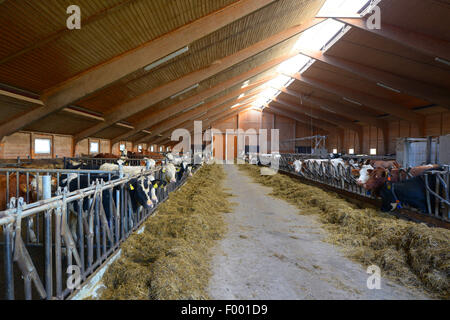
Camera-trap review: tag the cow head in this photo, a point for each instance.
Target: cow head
(141, 191)
(377, 179)
(298, 166)
(169, 172)
(364, 173)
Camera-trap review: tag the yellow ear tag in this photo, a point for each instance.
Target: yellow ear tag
(131, 187)
(155, 186)
(178, 170)
(164, 170)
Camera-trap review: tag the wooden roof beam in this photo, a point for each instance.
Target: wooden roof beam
(348, 111)
(411, 87)
(224, 114)
(210, 109)
(365, 99)
(431, 46)
(305, 119)
(323, 115)
(115, 69)
(167, 90)
(154, 117)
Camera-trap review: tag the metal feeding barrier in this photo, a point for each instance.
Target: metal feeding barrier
(54, 244)
(340, 177)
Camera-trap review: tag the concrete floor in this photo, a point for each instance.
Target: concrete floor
(272, 252)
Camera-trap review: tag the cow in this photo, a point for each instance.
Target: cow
(411, 192)
(382, 164)
(34, 188)
(362, 174)
(141, 192)
(106, 156)
(379, 176)
(133, 170)
(169, 172)
(80, 165)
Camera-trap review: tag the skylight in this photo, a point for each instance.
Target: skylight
(342, 8)
(319, 37)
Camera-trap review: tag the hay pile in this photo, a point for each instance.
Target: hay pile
(170, 259)
(410, 253)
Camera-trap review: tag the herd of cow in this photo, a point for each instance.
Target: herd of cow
(142, 185)
(386, 179)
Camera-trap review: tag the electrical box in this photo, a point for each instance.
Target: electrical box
(444, 150)
(413, 152)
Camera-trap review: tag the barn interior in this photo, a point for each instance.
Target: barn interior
(359, 80)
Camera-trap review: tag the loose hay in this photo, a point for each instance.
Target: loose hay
(170, 259)
(410, 253)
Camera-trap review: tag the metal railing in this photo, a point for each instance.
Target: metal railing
(74, 232)
(341, 177)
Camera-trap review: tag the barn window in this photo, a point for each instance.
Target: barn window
(373, 152)
(351, 151)
(140, 148)
(334, 150)
(42, 146)
(161, 149)
(93, 147)
(122, 147)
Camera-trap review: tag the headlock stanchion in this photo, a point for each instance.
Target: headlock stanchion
(68, 236)
(341, 178)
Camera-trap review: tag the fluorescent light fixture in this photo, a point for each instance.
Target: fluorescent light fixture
(352, 101)
(442, 61)
(184, 91)
(329, 110)
(235, 106)
(241, 96)
(387, 87)
(351, 151)
(166, 58)
(373, 152)
(193, 107)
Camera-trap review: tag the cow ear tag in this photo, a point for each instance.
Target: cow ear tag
(155, 186)
(131, 187)
(389, 178)
(164, 170)
(389, 187)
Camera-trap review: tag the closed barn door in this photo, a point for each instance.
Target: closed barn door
(219, 147)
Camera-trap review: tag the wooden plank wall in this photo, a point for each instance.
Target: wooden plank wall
(20, 144)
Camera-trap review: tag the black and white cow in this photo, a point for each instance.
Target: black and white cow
(141, 191)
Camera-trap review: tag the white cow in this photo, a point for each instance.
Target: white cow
(169, 172)
(364, 173)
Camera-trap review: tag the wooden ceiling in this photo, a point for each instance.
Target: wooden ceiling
(48, 71)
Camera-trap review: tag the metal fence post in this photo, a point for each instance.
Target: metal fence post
(47, 194)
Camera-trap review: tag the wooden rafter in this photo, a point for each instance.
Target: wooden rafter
(425, 44)
(409, 86)
(154, 117)
(167, 90)
(323, 115)
(343, 109)
(365, 99)
(100, 76)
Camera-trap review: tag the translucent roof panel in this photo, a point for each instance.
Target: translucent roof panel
(342, 8)
(318, 36)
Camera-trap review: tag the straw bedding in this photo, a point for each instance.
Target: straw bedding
(410, 253)
(170, 259)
